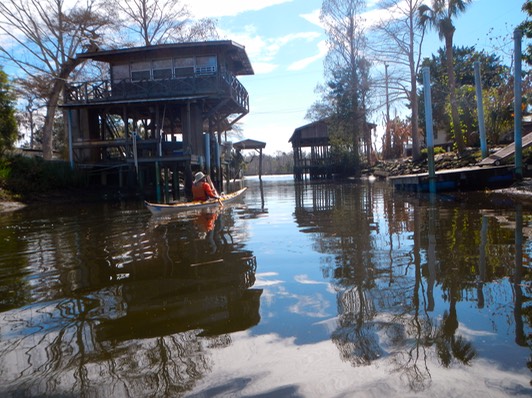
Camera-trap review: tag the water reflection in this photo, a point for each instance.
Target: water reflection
(385, 289)
(135, 302)
(345, 289)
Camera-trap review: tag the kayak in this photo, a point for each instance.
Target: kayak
(178, 207)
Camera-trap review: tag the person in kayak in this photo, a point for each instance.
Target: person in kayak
(202, 190)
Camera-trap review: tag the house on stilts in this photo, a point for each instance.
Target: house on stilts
(312, 151)
(160, 116)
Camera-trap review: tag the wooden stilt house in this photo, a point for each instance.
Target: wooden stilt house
(253, 145)
(160, 115)
(312, 150)
(318, 164)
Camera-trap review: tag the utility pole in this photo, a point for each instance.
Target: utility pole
(387, 137)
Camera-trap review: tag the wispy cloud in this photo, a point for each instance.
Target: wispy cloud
(303, 63)
(312, 306)
(217, 8)
(263, 51)
(313, 17)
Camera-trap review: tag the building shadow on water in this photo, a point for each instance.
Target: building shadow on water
(198, 281)
(139, 315)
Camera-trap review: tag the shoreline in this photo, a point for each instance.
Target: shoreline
(520, 190)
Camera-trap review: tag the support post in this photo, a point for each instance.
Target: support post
(70, 140)
(429, 127)
(518, 130)
(207, 143)
(175, 182)
(480, 112)
(260, 164)
(217, 164)
(166, 185)
(135, 153)
(157, 182)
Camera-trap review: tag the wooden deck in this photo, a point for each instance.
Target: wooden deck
(463, 179)
(506, 152)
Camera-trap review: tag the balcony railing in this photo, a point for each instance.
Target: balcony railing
(214, 84)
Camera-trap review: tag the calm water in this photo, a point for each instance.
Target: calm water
(317, 290)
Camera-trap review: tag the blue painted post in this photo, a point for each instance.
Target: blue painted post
(217, 154)
(518, 130)
(480, 112)
(429, 127)
(207, 142)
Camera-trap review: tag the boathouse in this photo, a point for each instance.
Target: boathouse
(248, 144)
(312, 150)
(160, 114)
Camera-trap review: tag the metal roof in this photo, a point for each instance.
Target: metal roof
(249, 144)
(240, 65)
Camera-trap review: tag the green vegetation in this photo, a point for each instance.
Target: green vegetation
(440, 16)
(437, 150)
(497, 92)
(8, 122)
(526, 27)
(23, 178)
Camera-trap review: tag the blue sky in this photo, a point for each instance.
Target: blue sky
(286, 47)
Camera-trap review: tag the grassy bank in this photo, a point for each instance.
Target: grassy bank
(24, 179)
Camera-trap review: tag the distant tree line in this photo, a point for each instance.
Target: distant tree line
(279, 163)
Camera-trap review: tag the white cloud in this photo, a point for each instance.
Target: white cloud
(270, 363)
(313, 18)
(305, 280)
(217, 8)
(312, 306)
(303, 63)
(263, 51)
(261, 68)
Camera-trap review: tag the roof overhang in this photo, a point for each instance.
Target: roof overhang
(240, 64)
(249, 144)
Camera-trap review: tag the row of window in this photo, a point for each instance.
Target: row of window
(165, 68)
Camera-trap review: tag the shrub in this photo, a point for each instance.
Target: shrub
(25, 176)
(437, 150)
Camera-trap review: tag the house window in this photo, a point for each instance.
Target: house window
(184, 67)
(120, 72)
(162, 69)
(205, 65)
(140, 71)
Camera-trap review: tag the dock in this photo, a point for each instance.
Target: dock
(504, 153)
(472, 178)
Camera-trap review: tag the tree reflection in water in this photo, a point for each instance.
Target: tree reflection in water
(115, 303)
(385, 300)
(136, 317)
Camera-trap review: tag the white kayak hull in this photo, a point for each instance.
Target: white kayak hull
(172, 208)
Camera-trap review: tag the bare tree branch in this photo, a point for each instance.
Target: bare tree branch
(397, 41)
(163, 21)
(42, 38)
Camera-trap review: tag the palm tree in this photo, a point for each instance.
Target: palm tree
(440, 17)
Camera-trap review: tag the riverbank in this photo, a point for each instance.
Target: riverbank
(12, 202)
(521, 190)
